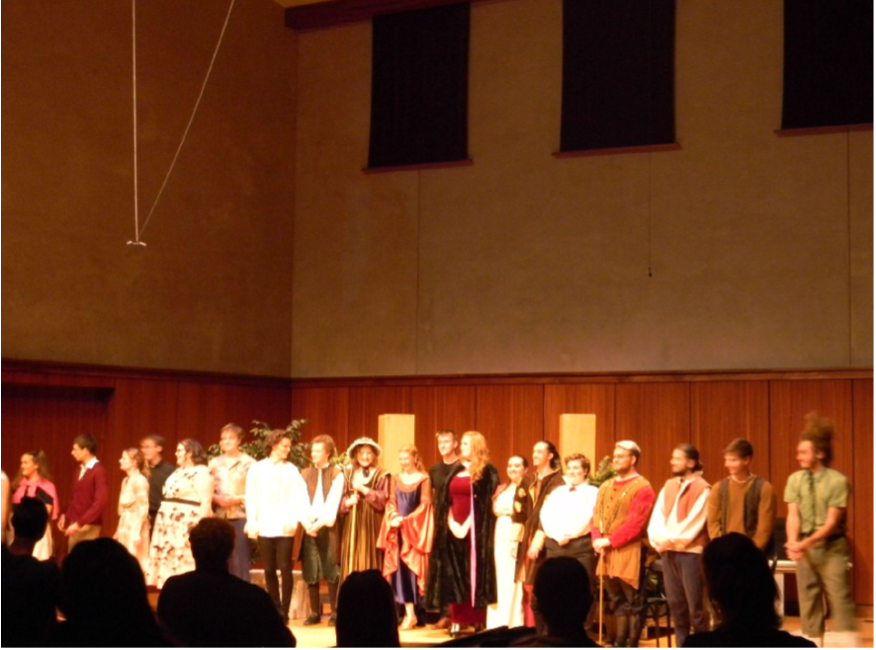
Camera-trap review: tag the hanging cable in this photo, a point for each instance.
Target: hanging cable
(185, 133)
(136, 241)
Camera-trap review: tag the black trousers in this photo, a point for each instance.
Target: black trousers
(277, 551)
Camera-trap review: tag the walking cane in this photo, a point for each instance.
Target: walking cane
(601, 578)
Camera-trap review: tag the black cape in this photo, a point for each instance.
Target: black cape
(449, 580)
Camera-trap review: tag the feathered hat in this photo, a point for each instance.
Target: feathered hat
(359, 442)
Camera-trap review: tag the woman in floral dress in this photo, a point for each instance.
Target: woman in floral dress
(133, 530)
(188, 496)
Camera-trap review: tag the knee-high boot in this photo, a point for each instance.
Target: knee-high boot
(622, 630)
(635, 631)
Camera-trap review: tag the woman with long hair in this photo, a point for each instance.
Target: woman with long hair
(366, 492)
(35, 480)
(406, 533)
(508, 610)
(464, 555)
(133, 530)
(187, 498)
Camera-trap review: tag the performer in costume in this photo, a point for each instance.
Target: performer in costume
(566, 519)
(406, 533)
(317, 541)
(152, 448)
(4, 503)
(229, 494)
(546, 477)
(742, 502)
(678, 532)
(276, 501)
(366, 492)
(35, 480)
(818, 497)
(84, 516)
(133, 529)
(508, 609)
(620, 519)
(464, 548)
(188, 497)
(448, 448)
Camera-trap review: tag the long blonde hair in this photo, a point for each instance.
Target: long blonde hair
(412, 450)
(480, 454)
(140, 463)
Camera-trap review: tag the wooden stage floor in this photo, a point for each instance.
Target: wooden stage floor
(322, 636)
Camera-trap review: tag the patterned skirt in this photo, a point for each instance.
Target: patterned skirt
(170, 553)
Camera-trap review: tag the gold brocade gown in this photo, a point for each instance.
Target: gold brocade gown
(361, 526)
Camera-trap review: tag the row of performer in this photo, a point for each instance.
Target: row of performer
(456, 538)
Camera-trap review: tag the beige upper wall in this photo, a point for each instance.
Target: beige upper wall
(212, 291)
(760, 246)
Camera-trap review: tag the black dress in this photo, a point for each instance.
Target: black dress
(448, 583)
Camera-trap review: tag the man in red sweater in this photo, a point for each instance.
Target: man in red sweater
(84, 514)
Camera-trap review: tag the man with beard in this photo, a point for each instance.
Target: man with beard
(678, 532)
(534, 489)
(620, 519)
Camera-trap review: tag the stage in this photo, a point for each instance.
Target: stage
(322, 636)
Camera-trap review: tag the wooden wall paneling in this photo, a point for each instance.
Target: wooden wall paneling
(11, 377)
(367, 404)
(511, 418)
(140, 407)
(441, 407)
(657, 417)
(327, 411)
(724, 410)
(49, 421)
(862, 485)
(598, 399)
(205, 407)
(264, 403)
(790, 401)
(202, 410)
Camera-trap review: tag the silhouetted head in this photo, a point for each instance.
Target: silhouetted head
(562, 594)
(103, 596)
(366, 612)
(212, 542)
(29, 520)
(740, 582)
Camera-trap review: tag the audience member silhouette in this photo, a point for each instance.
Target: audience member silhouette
(366, 612)
(744, 594)
(30, 587)
(209, 607)
(103, 597)
(563, 598)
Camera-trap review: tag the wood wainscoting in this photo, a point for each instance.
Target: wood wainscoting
(45, 405)
(657, 410)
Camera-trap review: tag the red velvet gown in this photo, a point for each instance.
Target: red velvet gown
(464, 613)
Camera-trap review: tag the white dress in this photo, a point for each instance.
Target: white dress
(181, 509)
(509, 608)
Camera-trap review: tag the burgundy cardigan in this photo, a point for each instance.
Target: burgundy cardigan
(89, 496)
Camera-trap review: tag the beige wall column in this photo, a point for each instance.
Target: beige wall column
(394, 431)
